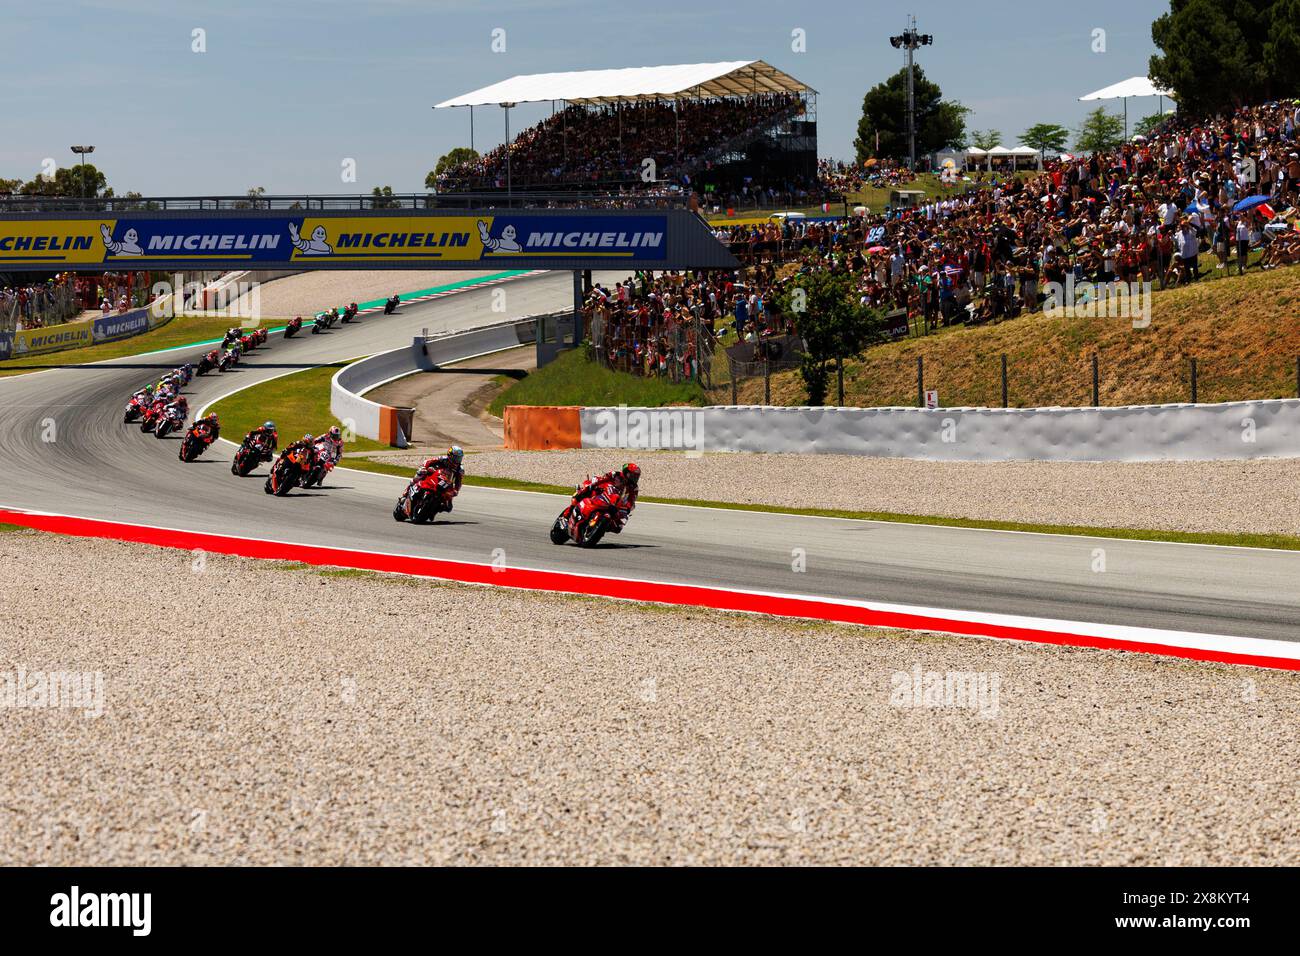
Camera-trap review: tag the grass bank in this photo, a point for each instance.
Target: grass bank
(298, 403)
(574, 379)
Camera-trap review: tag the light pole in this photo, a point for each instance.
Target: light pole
(909, 40)
(506, 107)
(81, 152)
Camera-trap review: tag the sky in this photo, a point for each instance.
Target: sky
(284, 92)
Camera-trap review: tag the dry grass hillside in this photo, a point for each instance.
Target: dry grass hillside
(1244, 333)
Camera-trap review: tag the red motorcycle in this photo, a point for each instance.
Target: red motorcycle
(208, 363)
(293, 328)
(134, 409)
(425, 498)
(585, 522)
(152, 416)
(172, 419)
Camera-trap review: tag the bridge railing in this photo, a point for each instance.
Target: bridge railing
(360, 202)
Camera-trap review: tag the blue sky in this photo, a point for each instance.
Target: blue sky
(288, 89)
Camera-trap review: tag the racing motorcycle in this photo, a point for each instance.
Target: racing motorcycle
(585, 522)
(172, 419)
(324, 464)
(134, 409)
(209, 361)
(349, 313)
(259, 336)
(426, 498)
(152, 416)
(196, 442)
(229, 358)
(288, 471)
(321, 323)
(294, 326)
(250, 455)
(390, 306)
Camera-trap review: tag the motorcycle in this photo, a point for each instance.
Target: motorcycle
(349, 314)
(259, 336)
(320, 324)
(323, 466)
(293, 328)
(208, 363)
(228, 360)
(151, 417)
(585, 522)
(391, 305)
(172, 419)
(287, 472)
(134, 409)
(249, 456)
(426, 498)
(195, 443)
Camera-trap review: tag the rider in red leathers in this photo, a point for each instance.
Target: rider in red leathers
(449, 462)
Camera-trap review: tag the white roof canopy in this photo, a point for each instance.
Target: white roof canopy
(1135, 86)
(733, 78)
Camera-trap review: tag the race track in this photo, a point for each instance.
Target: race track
(96, 467)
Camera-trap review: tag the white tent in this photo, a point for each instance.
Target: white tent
(684, 81)
(1125, 89)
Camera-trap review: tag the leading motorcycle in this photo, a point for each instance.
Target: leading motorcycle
(426, 498)
(585, 522)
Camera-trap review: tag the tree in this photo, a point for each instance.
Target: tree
(383, 198)
(1100, 132)
(1146, 124)
(82, 179)
(448, 162)
(833, 325)
(986, 138)
(1217, 55)
(1044, 137)
(940, 123)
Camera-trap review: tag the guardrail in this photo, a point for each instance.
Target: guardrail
(391, 425)
(518, 199)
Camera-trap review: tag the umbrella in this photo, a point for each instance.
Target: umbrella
(1250, 202)
(1194, 208)
(874, 249)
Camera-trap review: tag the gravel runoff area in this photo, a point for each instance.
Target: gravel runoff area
(1241, 497)
(309, 292)
(256, 714)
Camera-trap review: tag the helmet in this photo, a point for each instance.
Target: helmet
(631, 473)
(456, 453)
(308, 438)
(336, 433)
(269, 426)
(213, 418)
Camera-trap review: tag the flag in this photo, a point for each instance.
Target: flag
(1265, 210)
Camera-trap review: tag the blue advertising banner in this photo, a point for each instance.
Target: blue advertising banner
(121, 326)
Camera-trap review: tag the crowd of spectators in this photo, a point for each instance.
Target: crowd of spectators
(599, 145)
(35, 305)
(1160, 211)
(1149, 211)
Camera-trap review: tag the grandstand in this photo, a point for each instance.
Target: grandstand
(720, 128)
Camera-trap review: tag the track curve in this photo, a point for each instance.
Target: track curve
(96, 467)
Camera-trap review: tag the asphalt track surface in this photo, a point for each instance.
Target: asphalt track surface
(97, 467)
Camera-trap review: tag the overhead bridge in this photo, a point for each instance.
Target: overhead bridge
(165, 235)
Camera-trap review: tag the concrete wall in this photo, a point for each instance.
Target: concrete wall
(379, 422)
(1236, 430)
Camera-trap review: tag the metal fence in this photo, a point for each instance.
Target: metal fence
(677, 351)
(39, 305)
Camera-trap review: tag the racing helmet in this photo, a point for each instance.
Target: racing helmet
(456, 454)
(631, 473)
(336, 433)
(269, 426)
(214, 419)
(308, 438)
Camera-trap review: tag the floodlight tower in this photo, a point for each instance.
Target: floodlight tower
(909, 40)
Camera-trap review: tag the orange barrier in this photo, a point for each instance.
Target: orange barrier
(387, 425)
(542, 427)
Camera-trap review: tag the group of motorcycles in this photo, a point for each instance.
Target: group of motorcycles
(303, 464)
(226, 356)
(159, 407)
(326, 320)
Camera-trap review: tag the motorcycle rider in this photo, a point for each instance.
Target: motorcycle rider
(331, 443)
(266, 434)
(207, 426)
(449, 462)
(624, 481)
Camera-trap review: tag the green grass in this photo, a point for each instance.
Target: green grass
(7, 528)
(1277, 542)
(182, 330)
(298, 403)
(574, 379)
